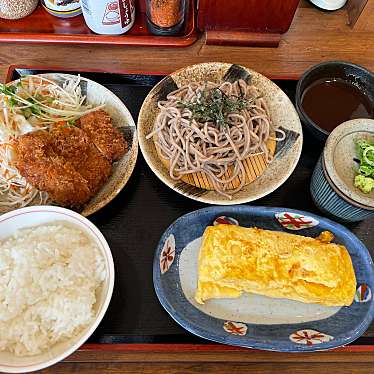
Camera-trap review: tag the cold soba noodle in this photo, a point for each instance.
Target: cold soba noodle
(212, 128)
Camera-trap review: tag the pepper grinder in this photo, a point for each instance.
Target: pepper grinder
(165, 17)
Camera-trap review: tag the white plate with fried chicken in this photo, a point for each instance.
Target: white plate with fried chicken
(64, 140)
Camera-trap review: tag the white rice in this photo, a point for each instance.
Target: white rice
(48, 278)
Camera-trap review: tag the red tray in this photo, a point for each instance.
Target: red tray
(109, 344)
(43, 28)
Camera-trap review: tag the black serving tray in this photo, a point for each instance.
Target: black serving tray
(134, 221)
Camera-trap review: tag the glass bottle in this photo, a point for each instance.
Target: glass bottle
(165, 17)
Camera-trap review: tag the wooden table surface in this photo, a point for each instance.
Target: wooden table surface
(314, 36)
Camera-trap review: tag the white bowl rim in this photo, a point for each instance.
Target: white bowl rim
(108, 296)
(329, 5)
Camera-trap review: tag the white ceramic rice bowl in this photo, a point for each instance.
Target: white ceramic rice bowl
(33, 216)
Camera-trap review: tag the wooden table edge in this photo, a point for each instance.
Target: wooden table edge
(171, 353)
(13, 67)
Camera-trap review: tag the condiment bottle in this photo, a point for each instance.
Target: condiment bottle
(165, 17)
(111, 17)
(62, 8)
(15, 9)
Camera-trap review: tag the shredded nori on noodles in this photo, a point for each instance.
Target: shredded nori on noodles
(214, 105)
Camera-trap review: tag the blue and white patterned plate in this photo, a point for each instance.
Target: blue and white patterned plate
(255, 321)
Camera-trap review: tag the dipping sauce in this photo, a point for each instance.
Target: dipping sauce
(330, 102)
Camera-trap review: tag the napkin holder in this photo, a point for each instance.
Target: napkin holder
(257, 23)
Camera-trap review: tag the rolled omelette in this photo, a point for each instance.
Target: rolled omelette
(234, 259)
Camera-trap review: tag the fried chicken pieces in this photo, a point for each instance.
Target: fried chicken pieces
(69, 162)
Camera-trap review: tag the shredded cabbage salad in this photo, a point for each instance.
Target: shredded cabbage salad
(33, 103)
(365, 178)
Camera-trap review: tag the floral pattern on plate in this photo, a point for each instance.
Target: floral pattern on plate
(294, 221)
(224, 220)
(310, 337)
(363, 294)
(167, 255)
(235, 328)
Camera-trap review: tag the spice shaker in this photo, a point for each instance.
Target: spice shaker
(165, 17)
(111, 17)
(15, 9)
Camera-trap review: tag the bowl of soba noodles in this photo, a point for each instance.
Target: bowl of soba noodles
(220, 133)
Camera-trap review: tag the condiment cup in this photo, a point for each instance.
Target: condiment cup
(34, 216)
(332, 186)
(351, 73)
(63, 9)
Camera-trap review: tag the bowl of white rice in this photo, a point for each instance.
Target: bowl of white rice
(56, 282)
